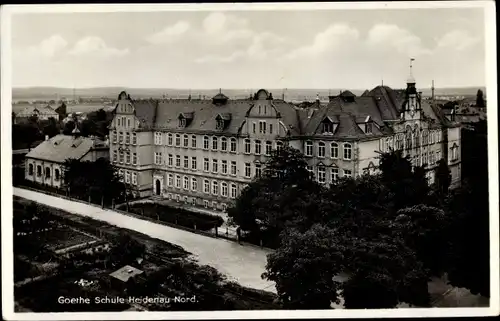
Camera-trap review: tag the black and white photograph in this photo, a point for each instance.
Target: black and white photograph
(249, 160)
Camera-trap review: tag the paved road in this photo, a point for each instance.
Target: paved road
(241, 263)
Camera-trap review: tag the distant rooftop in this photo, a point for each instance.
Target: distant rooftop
(126, 272)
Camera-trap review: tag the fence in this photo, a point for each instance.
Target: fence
(225, 232)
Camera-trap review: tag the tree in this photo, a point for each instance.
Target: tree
(442, 177)
(407, 184)
(480, 99)
(303, 268)
(284, 195)
(51, 129)
(68, 127)
(126, 250)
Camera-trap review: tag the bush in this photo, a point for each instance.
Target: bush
(177, 216)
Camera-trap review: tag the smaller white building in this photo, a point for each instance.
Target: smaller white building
(43, 112)
(44, 164)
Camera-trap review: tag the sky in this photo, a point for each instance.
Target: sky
(354, 49)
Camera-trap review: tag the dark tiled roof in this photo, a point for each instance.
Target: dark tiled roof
(145, 110)
(61, 147)
(347, 93)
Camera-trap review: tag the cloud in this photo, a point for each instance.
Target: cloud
(335, 36)
(457, 40)
(95, 46)
(398, 38)
(220, 59)
(50, 47)
(169, 33)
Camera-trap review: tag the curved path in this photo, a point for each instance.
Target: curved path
(241, 263)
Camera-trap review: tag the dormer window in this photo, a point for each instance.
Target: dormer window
(185, 119)
(222, 120)
(368, 128)
(220, 124)
(328, 126)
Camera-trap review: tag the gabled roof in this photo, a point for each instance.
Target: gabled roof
(42, 109)
(126, 272)
(145, 111)
(62, 147)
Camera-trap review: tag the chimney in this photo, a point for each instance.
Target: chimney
(46, 137)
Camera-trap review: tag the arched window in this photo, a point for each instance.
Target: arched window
(186, 141)
(223, 144)
(47, 172)
(170, 139)
(39, 170)
(233, 190)
(57, 174)
(224, 189)
(321, 149)
(30, 169)
(177, 139)
(309, 148)
(233, 145)
(206, 142)
(347, 151)
(417, 136)
(425, 137)
(279, 145)
(193, 141)
(214, 143)
(408, 138)
(334, 150)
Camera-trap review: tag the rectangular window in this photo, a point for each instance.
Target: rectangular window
(128, 123)
(248, 170)
(206, 142)
(127, 177)
(186, 141)
(186, 182)
(120, 174)
(194, 164)
(134, 138)
(134, 158)
(233, 167)
(194, 184)
(177, 160)
(186, 162)
(347, 151)
(177, 140)
(438, 155)
(170, 160)
(334, 150)
(170, 180)
(170, 139)
(215, 165)
(254, 126)
(157, 138)
(127, 159)
(258, 147)
(206, 165)
(177, 181)
(258, 170)
(158, 158)
(247, 146)
(269, 148)
(321, 174)
(335, 174)
(127, 138)
(114, 137)
(224, 167)
(214, 143)
(120, 138)
(347, 173)
(309, 148)
(270, 128)
(134, 178)
(115, 156)
(121, 157)
(262, 127)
